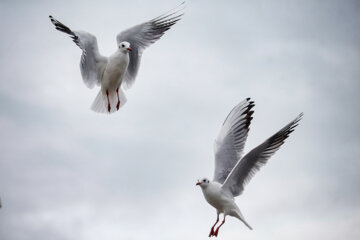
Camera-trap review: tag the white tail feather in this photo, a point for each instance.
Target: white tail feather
(100, 103)
(243, 220)
(241, 217)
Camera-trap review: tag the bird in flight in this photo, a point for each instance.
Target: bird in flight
(232, 171)
(120, 69)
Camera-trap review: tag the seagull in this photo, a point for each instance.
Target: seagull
(232, 172)
(120, 69)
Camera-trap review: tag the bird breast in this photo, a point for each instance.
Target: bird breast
(115, 70)
(215, 197)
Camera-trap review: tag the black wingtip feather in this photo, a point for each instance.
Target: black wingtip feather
(285, 132)
(171, 12)
(61, 27)
(251, 162)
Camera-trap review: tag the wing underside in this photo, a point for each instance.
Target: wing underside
(92, 64)
(143, 35)
(230, 142)
(245, 168)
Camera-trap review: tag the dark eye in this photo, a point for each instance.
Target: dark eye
(122, 45)
(204, 180)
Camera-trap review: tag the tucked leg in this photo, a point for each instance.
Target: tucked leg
(107, 95)
(118, 103)
(217, 230)
(212, 228)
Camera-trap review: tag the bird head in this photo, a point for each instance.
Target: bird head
(124, 47)
(204, 182)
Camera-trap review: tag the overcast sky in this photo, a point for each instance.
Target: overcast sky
(67, 173)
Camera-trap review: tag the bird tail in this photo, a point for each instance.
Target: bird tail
(100, 103)
(241, 217)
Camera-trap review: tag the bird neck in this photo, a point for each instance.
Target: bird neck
(123, 51)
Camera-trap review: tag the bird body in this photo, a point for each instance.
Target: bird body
(217, 198)
(221, 200)
(232, 171)
(114, 71)
(110, 80)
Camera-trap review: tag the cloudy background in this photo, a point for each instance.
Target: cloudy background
(67, 173)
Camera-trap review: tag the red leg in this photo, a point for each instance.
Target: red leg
(212, 229)
(107, 95)
(118, 104)
(217, 230)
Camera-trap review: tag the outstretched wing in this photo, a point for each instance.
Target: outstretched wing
(142, 36)
(92, 64)
(230, 142)
(251, 162)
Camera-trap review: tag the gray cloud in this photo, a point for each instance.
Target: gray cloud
(68, 173)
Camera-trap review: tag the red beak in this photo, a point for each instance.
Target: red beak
(129, 49)
(198, 183)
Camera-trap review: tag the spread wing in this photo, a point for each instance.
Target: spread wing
(230, 142)
(92, 64)
(256, 158)
(142, 36)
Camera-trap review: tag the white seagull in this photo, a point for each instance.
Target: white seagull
(120, 69)
(232, 172)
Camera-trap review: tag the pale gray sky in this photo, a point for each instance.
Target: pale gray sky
(67, 173)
